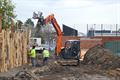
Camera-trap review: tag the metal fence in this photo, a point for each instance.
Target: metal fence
(113, 46)
(103, 29)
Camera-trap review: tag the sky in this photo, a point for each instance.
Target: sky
(74, 13)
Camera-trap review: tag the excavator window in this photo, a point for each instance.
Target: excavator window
(67, 44)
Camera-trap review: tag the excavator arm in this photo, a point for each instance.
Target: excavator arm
(53, 21)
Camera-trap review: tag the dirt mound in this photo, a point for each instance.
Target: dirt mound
(102, 58)
(83, 72)
(51, 68)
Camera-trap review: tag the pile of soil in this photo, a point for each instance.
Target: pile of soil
(51, 67)
(21, 75)
(102, 58)
(82, 72)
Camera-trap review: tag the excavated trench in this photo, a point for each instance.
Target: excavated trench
(98, 64)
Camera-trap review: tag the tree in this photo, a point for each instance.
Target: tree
(7, 12)
(29, 22)
(45, 32)
(48, 33)
(38, 30)
(19, 24)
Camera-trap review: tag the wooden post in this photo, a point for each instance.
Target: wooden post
(0, 24)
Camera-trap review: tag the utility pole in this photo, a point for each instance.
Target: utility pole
(94, 29)
(87, 29)
(116, 29)
(101, 29)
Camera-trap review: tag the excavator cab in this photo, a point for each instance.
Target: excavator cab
(70, 54)
(71, 49)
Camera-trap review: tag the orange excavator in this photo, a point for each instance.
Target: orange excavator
(70, 54)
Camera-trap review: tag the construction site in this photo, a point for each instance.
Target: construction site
(46, 51)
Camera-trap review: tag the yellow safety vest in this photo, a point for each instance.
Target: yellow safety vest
(33, 53)
(46, 53)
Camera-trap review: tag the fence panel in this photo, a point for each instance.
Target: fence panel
(114, 46)
(13, 49)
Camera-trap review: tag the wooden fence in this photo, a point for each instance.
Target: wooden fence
(13, 49)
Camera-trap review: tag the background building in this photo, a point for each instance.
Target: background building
(68, 31)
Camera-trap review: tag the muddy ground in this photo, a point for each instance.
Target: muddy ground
(81, 72)
(98, 64)
(54, 71)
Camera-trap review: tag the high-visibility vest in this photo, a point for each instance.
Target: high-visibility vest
(33, 53)
(46, 53)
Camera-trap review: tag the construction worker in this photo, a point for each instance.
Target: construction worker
(46, 55)
(33, 56)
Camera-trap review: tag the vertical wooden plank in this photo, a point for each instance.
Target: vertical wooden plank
(0, 24)
(3, 52)
(1, 44)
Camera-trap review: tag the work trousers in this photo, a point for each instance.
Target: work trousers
(33, 61)
(45, 60)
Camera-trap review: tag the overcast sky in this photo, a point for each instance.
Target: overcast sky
(72, 12)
